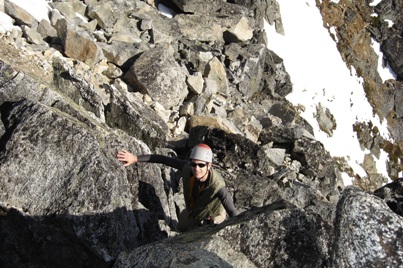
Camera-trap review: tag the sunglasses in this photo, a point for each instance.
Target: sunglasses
(200, 165)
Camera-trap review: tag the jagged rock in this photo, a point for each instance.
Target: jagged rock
(122, 53)
(180, 126)
(163, 29)
(278, 80)
(213, 121)
(66, 178)
(398, 99)
(113, 71)
(196, 6)
(22, 16)
(77, 88)
(106, 13)
(370, 139)
(55, 15)
(273, 16)
(160, 110)
(12, 82)
(392, 194)
(393, 48)
(280, 135)
(189, 26)
(254, 191)
(192, 253)
(240, 32)
(129, 113)
(317, 163)
(32, 35)
(78, 44)
(196, 55)
(390, 37)
(215, 108)
(239, 243)
(195, 82)
(275, 155)
(46, 30)
(187, 109)
(126, 30)
(252, 129)
(297, 235)
(375, 179)
(232, 51)
(70, 9)
(285, 111)
(396, 119)
(211, 28)
(364, 134)
(263, 9)
(326, 120)
(249, 59)
(363, 218)
(216, 77)
(157, 74)
(212, 8)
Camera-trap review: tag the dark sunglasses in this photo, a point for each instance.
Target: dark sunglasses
(200, 165)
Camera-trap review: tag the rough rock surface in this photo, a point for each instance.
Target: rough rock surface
(93, 77)
(359, 240)
(392, 193)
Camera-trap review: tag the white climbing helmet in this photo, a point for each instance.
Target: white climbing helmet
(202, 152)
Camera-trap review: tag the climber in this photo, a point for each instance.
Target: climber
(206, 196)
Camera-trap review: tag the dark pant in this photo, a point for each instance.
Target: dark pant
(186, 221)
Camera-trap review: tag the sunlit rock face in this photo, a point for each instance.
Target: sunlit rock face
(81, 80)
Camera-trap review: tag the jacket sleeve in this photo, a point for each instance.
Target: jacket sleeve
(227, 201)
(162, 159)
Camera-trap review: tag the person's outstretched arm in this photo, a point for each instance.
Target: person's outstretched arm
(128, 158)
(227, 201)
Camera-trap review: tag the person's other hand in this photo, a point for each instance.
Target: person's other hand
(126, 157)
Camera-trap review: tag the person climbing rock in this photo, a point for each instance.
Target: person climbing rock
(205, 193)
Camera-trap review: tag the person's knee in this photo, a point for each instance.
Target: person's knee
(180, 227)
(184, 226)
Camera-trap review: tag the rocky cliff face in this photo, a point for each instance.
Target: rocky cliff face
(92, 77)
(355, 24)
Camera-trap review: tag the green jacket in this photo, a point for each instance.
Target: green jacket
(205, 203)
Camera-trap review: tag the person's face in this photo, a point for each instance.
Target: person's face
(200, 169)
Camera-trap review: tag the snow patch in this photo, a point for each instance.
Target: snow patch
(384, 71)
(6, 23)
(375, 3)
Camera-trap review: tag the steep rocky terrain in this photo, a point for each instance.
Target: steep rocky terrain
(94, 76)
(355, 25)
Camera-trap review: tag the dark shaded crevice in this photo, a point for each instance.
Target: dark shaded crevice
(5, 110)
